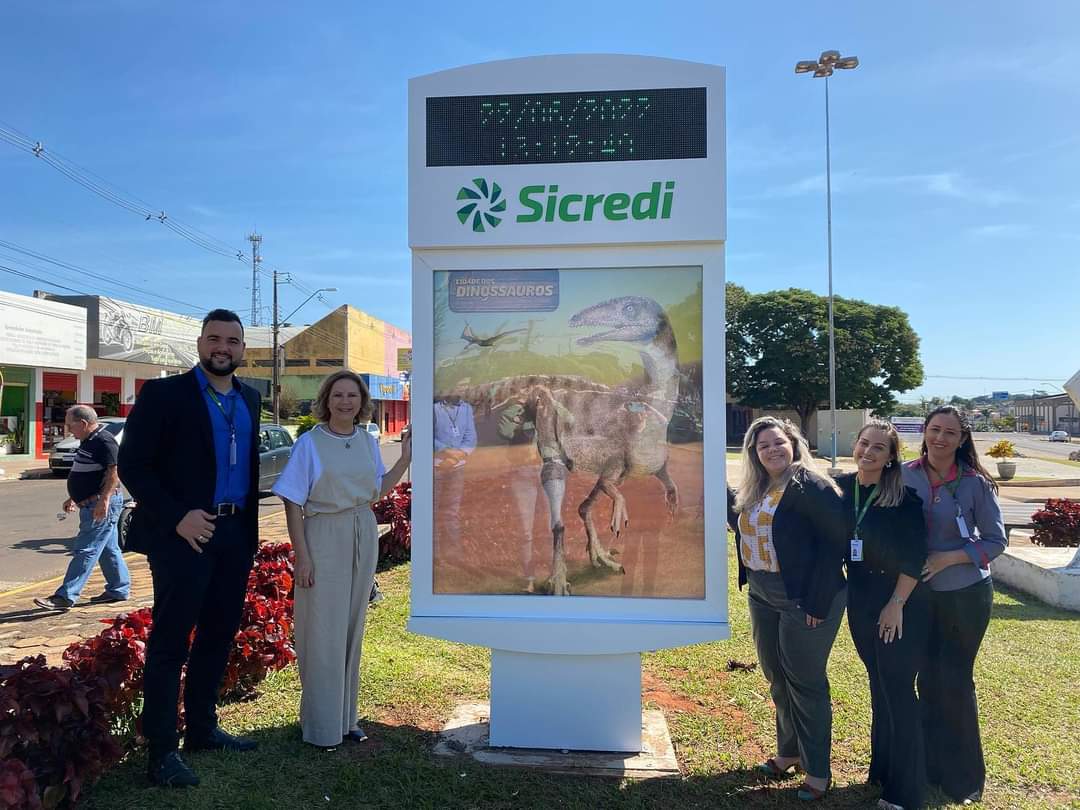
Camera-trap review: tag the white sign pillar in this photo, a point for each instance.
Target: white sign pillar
(567, 225)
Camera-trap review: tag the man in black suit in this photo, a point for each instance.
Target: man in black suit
(190, 459)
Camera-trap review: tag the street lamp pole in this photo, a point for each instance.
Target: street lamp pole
(822, 68)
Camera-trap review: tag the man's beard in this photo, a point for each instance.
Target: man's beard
(208, 366)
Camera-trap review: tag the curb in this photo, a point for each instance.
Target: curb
(1046, 482)
(131, 555)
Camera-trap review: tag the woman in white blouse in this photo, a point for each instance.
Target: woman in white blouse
(334, 475)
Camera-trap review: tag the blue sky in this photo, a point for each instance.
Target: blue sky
(956, 151)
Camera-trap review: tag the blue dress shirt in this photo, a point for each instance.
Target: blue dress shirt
(232, 481)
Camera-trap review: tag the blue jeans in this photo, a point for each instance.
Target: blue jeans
(97, 540)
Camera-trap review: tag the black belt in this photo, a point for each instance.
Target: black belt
(227, 509)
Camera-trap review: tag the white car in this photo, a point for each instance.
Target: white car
(62, 455)
(373, 429)
(1059, 436)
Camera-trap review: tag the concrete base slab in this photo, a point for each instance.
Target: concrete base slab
(467, 730)
(1042, 572)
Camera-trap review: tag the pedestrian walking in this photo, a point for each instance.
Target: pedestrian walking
(965, 532)
(791, 553)
(190, 459)
(332, 478)
(93, 490)
(888, 610)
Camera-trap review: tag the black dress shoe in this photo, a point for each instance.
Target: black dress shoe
(218, 740)
(171, 771)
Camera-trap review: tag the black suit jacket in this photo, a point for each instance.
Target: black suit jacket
(809, 536)
(167, 460)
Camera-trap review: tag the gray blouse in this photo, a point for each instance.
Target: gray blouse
(982, 516)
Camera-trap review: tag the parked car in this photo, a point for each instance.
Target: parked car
(62, 456)
(275, 447)
(373, 429)
(1060, 436)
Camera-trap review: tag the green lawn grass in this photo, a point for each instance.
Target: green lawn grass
(721, 722)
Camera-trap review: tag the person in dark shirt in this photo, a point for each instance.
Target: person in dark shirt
(888, 610)
(93, 489)
(191, 460)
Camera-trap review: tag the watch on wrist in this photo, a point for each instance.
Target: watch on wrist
(898, 600)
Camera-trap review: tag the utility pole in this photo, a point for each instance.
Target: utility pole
(275, 390)
(256, 294)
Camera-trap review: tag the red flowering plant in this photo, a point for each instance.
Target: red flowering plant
(18, 788)
(56, 723)
(396, 509)
(1057, 523)
(116, 655)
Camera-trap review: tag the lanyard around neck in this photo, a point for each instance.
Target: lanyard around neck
(859, 515)
(229, 415)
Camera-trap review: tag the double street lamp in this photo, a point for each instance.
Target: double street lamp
(822, 68)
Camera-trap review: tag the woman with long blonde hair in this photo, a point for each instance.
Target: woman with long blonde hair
(888, 610)
(791, 554)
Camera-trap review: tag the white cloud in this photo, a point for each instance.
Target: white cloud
(939, 184)
(1004, 230)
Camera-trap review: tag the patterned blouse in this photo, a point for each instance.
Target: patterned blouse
(755, 531)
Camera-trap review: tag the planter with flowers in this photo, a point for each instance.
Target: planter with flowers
(1003, 451)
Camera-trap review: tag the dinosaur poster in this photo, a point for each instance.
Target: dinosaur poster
(568, 432)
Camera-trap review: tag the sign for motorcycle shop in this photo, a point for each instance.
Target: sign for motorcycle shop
(139, 334)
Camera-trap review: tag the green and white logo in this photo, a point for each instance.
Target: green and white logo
(545, 203)
(486, 202)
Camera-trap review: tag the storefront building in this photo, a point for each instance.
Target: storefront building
(37, 338)
(124, 346)
(346, 338)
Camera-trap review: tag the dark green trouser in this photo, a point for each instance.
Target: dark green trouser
(793, 658)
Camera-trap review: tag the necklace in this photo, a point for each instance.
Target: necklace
(347, 436)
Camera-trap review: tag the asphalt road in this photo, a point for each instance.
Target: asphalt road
(34, 544)
(1029, 445)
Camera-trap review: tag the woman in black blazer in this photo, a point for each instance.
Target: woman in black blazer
(791, 553)
(888, 611)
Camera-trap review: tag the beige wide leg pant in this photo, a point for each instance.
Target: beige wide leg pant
(329, 619)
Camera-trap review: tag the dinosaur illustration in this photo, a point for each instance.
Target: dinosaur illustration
(612, 432)
(473, 339)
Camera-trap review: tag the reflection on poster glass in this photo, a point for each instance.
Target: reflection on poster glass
(568, 433)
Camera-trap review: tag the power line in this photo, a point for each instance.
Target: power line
(117, 196)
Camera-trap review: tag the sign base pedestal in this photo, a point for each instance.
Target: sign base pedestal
(566, 702)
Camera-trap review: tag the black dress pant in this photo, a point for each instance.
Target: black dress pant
(204, 592)
(897, 761)
(958, 622)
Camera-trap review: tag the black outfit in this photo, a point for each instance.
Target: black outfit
(808, 535)
(893, 543)
(96, 453)
(167, 463)
(954, 755)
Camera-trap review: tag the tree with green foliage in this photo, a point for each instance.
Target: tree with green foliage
(778, 352)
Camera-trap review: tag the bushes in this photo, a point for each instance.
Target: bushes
(396, 509)
(1057, 523)
(304, 424)
(60, 728)
(54, 734)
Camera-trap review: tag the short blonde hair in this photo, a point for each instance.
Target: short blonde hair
(320, 408)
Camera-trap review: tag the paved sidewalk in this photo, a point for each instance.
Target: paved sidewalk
(14, 470)
(26, 629)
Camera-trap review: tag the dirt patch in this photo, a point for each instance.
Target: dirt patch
(655, 690)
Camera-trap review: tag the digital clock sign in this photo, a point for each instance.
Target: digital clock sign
(589, 127)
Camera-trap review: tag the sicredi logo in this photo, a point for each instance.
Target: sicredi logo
(544, 203)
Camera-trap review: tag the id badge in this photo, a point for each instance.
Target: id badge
(232, 450)
(962, 525)
(856, 549)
